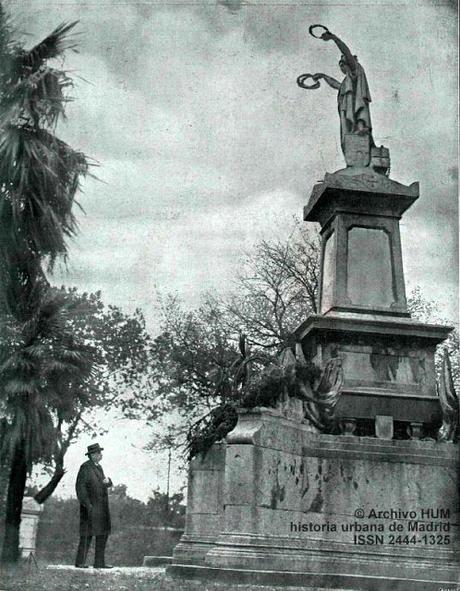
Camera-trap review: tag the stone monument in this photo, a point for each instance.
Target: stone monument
(373, 505)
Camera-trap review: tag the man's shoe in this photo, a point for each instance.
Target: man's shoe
(104, 566)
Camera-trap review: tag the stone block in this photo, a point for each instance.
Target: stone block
(239, 471)
(356, 149)
(205, 506)
(205, 486)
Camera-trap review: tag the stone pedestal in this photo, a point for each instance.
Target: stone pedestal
(284, 505)
(30, 516)
(361, 259)
(388, 364)
(387, 358)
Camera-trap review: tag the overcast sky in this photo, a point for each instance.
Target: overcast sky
(206, 144)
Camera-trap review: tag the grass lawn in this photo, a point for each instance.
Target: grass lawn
(135, 579)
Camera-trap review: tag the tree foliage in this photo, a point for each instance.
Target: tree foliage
(121, 344)
(50, 355)
(195, 362)
(43, 369)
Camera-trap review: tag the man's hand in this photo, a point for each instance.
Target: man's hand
(107, 481)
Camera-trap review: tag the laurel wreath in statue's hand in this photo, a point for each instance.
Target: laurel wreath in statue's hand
(303, 77)
(313, 27)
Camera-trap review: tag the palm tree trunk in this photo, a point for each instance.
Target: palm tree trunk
(15, 495)
(4, 466)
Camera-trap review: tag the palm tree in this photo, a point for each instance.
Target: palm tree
(41, 376)
(43, 373)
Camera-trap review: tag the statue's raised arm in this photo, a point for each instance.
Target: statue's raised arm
(347, 56)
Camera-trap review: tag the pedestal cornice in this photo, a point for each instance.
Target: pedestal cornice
(433, 333)
(363, 192)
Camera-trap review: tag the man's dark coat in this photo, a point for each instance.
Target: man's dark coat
(94, 500)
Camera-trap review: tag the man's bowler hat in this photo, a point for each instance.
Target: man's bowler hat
(93, 448)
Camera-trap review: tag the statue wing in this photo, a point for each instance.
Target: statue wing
(449, 401)
(286, 357)
(330, 387)
(299, 354)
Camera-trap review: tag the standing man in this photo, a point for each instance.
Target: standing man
(92, 492)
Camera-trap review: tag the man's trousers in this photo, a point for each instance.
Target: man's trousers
(83, 547)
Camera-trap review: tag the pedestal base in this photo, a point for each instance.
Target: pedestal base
(312, 581)
(284, 505)
(388, 365)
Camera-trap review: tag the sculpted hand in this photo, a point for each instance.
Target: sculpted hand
(317, 76)
(327, 36)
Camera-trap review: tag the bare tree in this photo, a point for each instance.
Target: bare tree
(276, 289)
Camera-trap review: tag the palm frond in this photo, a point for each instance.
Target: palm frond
(20, 385)
(48, 358)
(52, 46)
(42, 175)
(9, 48)
(17, 363)
(36, 100)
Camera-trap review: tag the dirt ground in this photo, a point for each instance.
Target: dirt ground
(29, 578)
